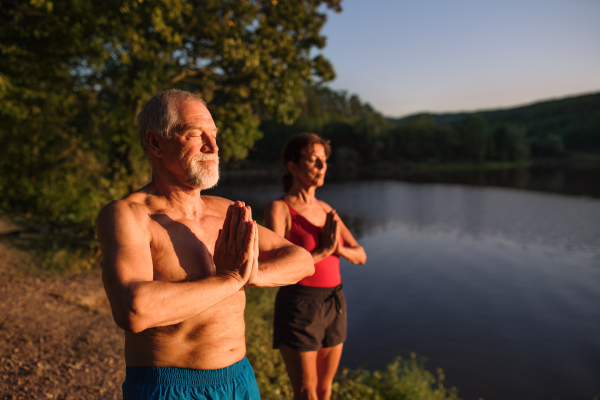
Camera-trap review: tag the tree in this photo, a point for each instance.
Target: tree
(509, 143)
(74, 74)
(475, 135)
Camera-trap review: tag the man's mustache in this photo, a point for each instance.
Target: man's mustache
(206, 157)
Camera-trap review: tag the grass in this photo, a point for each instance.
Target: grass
(47, 249)
(49, 255)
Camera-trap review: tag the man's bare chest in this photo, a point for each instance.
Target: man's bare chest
(181, 252)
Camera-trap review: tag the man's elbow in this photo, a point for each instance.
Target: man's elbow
(129, 324)
(134, 317)
(133, 324)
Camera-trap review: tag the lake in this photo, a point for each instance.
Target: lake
(499, 287)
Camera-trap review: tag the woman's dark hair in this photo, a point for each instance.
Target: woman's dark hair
(295, 149)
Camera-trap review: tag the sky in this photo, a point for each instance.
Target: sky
(409, 56)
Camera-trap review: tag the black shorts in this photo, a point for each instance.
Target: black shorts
(308, 318)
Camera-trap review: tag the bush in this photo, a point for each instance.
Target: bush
(403, 380)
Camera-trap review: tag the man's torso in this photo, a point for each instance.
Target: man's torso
(182, 251)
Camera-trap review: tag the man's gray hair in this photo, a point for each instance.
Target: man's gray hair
(161, 114)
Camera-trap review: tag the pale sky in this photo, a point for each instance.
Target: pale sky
(409, 56)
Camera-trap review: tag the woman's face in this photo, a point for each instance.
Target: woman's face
(313, 165)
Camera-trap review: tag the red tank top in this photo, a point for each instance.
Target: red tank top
(306, 235)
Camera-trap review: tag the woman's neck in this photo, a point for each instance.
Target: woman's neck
(302, 193)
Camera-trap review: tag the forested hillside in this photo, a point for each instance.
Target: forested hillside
(550, 127)
(345, 120)
(362, 136)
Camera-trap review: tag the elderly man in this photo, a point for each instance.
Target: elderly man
(176, 263)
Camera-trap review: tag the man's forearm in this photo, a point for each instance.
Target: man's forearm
(283, 266)
(148, 304)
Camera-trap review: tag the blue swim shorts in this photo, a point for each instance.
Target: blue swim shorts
(167, 383)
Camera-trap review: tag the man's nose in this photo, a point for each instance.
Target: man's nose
(210, 145)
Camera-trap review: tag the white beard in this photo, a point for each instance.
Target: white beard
(202, 175)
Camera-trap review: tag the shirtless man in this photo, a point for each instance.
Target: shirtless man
(176, 263)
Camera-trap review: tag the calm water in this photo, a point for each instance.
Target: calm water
(499, 287)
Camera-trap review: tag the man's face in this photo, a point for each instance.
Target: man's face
(195, 141)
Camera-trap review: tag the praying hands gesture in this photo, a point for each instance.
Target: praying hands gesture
(236, 248)
(330, 235)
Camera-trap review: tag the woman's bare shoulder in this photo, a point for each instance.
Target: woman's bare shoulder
(326, 206)
(277, 207)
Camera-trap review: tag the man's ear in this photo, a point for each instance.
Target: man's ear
(153, 143)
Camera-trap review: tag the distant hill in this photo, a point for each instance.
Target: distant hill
(574, 119)
(569, 105)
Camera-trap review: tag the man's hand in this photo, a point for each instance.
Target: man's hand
(253, 279)
(236, 248)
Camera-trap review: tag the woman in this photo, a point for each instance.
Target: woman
(310, 317)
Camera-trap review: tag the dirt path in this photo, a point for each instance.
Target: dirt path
(57, 337)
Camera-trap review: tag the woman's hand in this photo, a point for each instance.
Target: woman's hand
(330, 235)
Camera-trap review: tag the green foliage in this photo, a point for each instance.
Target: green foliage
(74, 74)
(361, 137)
(417, 141)
(547, 146)
(509, 144)
(474, 135)
(403, 379)
(61, 257)
(571, 124)
(551, 128)
(240, 130)
(344, 120)
(266, 362)
(49, 250)
(472, 141)
(348, 162)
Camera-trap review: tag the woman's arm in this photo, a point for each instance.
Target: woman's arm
(351, 250)
(278, 218)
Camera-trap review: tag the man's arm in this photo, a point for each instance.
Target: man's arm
(281, 262)
(138, 302)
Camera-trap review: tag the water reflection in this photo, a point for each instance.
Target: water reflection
(568, 177)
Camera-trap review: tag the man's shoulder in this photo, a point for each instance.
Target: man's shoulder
(132, 208)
